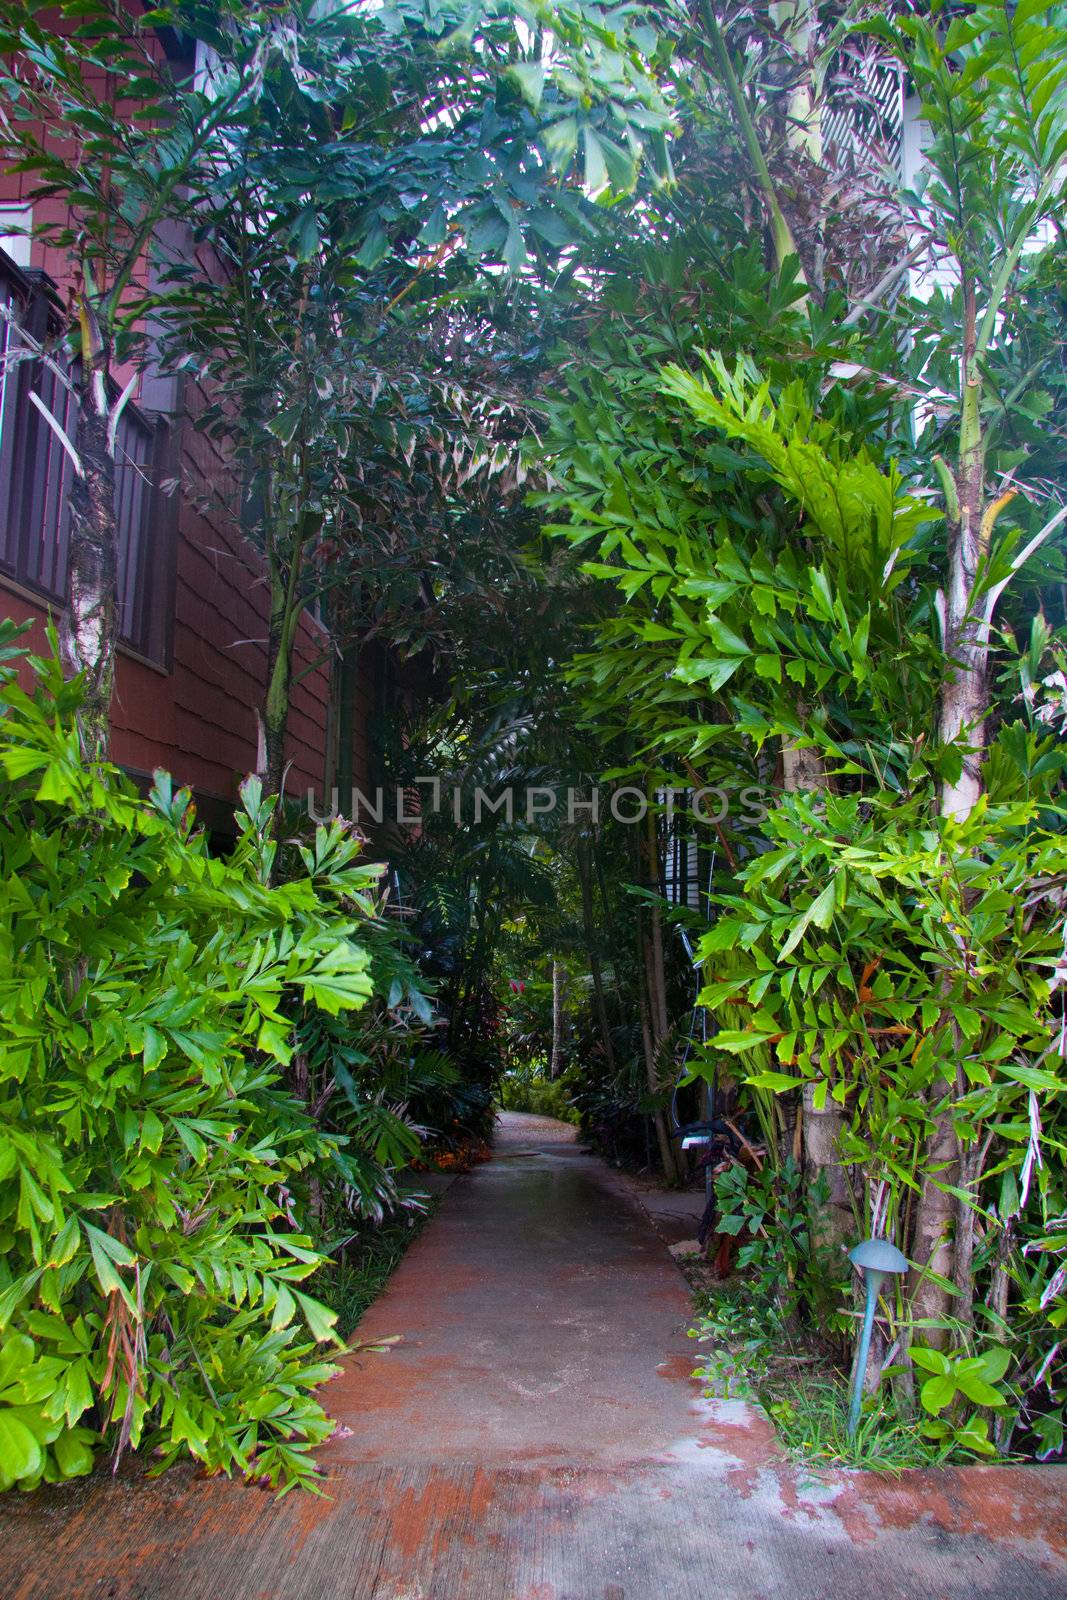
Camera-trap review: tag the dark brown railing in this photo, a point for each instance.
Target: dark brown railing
(36, 475)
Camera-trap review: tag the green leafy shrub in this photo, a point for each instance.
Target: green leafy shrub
(786, 1278)
(906, 977)
(376, 1084)
(527, 1089)
(743, 1338)
(769, 1211)
(957, 1378)
(151, 1156)
(450, 1109)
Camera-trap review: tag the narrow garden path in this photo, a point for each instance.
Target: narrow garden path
(536, 1436)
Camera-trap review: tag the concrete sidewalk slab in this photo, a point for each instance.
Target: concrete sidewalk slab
(537, 1436)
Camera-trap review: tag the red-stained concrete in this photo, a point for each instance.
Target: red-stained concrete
(534, 1300)
(537, 1436)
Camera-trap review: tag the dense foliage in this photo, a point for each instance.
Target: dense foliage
(797, 435)
(153, 1160)
(820, 526)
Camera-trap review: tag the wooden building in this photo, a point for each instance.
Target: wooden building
(193, 600)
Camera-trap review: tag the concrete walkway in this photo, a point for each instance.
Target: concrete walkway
(536, 1436)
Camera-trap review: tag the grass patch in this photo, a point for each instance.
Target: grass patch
(752, 1353)
(812, 1424)
(353, 1282)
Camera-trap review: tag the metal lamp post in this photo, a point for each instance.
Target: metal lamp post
(877, 1259)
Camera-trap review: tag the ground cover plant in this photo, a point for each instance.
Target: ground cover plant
(529, 1089)
(752, 1353)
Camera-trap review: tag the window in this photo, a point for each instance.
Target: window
(686, 865)
(36, 476)
(16, 222)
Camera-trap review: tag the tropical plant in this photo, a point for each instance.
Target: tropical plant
(351, 338)
(820, 533)
(153, 1161)
(329, 161)
(529, 1090)
(956, 1377)
(769, 1211)
(743, 1340)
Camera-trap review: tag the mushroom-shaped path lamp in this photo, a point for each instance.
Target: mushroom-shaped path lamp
(877, 1259)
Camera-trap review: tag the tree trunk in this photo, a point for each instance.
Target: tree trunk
(961, 721)
(781, 234)
(286, 609)
(651, 1050)
(832, 1221)
(90, 623)
(965, 697)
(559, 987)
(279, 674)
(657, 973)
(605, 911)
(796, 21)
(600, 1008)
(803, 769)
(1000, 1281)
(966, 1225)
(654, 1022)
(931, 1246)
(872, 1376)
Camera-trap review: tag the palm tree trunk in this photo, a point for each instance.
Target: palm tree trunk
(286, 609)
(596, 972)
(804, 770)
(555, 1065)
(655, 1024)
(651, 1053)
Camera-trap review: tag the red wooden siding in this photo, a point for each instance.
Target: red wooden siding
(195, 712)
(203, 620)
(199, 719)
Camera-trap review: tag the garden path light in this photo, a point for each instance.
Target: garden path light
(877, 1259)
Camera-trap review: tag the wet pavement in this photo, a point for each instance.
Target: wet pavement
(536, 1435)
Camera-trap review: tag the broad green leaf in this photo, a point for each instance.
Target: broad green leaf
(931, 1360)
(321, 1321)
(74, 1454)
(374, 249)
(20, 1454)
(529, 79)
(778, 1082)
(937, 1393)
(976, 1389)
